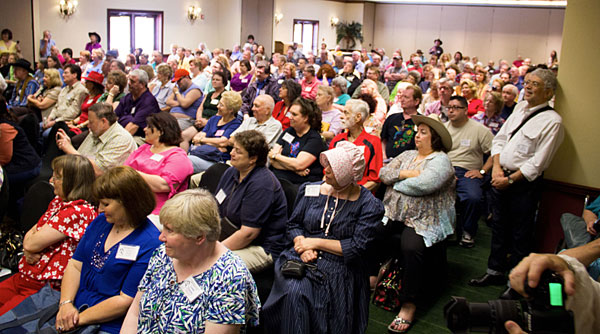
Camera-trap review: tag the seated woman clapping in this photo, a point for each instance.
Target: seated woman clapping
(331, 226)
(101, 279)
(193, 284)
(260, 237)
(48, 245)
(161, 162)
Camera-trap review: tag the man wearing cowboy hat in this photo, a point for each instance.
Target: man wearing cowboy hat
(26, 84)
(436, 49)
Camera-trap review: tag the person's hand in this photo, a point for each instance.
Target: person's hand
(67, 318)
(590, 227)
(513, 328)
(198, 138)
(306, 244)
(473, 174)
(63, 141)
(275, 150)
(115, 90)
(303, 172)
(497, 173)
(200, 122)
(308, 256)
(175, 89)
(31, 258)
(531, 268)
(48, 124)
(500, 183)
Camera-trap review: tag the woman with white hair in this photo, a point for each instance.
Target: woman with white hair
(193, 284)
(340, 88)
(331, 226)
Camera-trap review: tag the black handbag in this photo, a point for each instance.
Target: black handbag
(11, 249)
(295, 269)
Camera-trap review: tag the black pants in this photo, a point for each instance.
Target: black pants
(420, 264)
(514, 211)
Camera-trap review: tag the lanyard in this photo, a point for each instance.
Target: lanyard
(332, 215)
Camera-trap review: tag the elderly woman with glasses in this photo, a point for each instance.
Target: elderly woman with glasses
(329, 231)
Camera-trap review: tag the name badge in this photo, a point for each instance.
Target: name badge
(127, 252)
(493, 124)
(69, 96)
(288, 114)
(90, 101)
(219, 133)
(214, 101)
(244, 80)
(307, 89)
(369, 129)
(156, 157)
(190, 288)
(335, 100)
(261, 92)
(280, 81)
(220, 196)
(133, 110)
(350, 78)
(312, 190)
(465, 142)
(288, 138)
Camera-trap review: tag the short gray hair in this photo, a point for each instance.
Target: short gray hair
(547, 77)
(141, 75)
(342, 83)
(512, 88)
(359, 106)
(193, 213)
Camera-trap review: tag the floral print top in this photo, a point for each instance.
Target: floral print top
(70, 218)
(228, 296)
(425, 202)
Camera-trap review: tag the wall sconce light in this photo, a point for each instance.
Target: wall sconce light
(278, 17)
(193, 13)
(335, 20)
(67, 7)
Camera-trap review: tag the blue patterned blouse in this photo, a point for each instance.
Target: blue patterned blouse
(228, 296)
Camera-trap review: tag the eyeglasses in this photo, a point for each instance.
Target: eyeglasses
(455, 108)
(532, 83)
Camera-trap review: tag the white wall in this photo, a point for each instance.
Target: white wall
(486, 32)
(220, 27)
(321, 11)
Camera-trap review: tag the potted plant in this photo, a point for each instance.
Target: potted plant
(349, 33)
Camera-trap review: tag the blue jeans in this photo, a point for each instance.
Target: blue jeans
(199, 164)
(470, 201)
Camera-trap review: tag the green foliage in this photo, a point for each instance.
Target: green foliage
(349, 32)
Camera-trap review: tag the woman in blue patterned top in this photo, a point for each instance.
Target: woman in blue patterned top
(331, 226)
(419, 206)
(193, 284)
(101, 279)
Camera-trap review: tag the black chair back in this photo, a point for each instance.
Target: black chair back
(212, 176)
(291, 191)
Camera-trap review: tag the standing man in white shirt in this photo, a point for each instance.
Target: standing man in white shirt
(521, 151)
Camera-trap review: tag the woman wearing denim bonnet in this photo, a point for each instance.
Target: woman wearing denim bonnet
(329, 231)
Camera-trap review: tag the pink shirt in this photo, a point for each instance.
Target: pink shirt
(172, 165)
(309, 90)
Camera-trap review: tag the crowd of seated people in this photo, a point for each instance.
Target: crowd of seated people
(373, 147)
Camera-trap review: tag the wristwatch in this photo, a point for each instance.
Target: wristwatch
(482, 171)
(510, 181)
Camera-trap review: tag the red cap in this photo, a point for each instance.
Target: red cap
(95, 77)
(180, 73)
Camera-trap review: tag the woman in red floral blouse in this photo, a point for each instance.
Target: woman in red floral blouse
(49, 244)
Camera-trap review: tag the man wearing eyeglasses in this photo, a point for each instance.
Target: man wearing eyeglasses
(521, 151)
(470, 142)
(440, 107)
(135, 107)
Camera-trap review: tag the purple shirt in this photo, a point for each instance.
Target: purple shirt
(239, 83)
(89, 46)
(136, 112)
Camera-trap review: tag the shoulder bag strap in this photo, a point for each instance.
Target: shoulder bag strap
(535, 113)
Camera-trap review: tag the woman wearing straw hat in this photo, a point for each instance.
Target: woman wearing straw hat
(331, 226)
(419, 206)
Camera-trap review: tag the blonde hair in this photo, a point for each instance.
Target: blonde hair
(53, 76)
(193, 213)
(328, 90)
(472, 86)
(232, 100)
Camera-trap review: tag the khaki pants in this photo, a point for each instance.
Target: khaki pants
(255, 258)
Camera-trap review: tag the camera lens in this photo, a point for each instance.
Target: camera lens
(464, 317)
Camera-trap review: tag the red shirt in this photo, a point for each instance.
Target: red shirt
(87, 103)
(373, 154)
(280, 114)
(309, 90)
(71, 219)
(475, 106)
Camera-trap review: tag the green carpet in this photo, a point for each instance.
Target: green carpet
(463, 264)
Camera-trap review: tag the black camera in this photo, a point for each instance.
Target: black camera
(543, 312)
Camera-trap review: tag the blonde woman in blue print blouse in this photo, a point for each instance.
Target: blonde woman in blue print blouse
(193, 284)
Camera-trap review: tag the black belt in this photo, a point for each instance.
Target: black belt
(507, 171)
